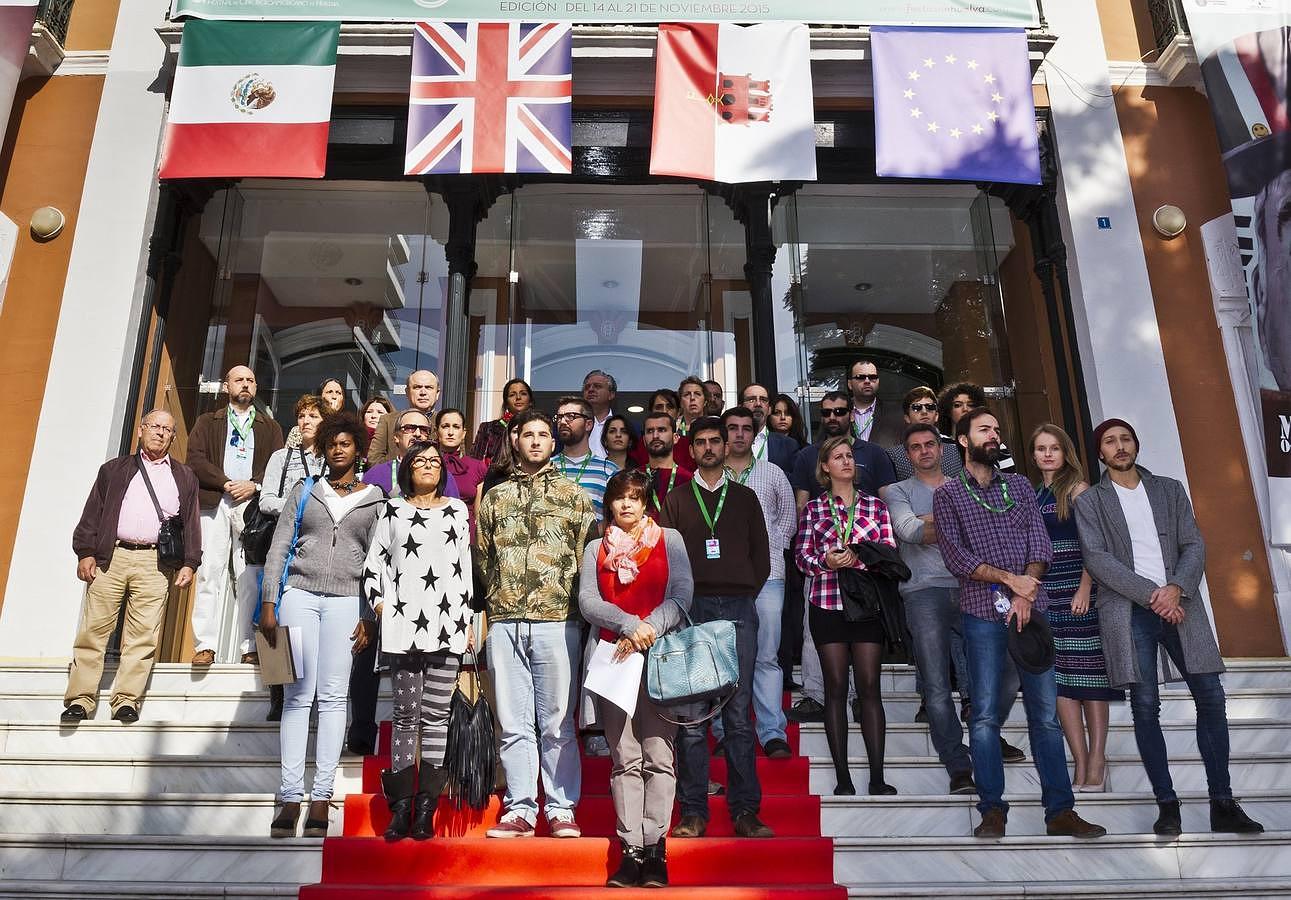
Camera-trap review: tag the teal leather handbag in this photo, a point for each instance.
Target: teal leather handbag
(693, 665)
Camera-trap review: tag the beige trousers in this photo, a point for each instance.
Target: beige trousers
(643, 780)
(135, 579)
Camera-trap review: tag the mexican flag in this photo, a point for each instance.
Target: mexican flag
(251, 99)
(734, 103)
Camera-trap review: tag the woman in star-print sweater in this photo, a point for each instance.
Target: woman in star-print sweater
(417, 582)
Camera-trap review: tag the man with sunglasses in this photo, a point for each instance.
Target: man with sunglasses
(408, 427)
(872, 419)
(874, 468)
(920, 408)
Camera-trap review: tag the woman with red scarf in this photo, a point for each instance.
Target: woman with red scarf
(517, 396)
(635, 586)
(467, 472)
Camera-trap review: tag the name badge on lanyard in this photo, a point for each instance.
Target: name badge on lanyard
(713, 548)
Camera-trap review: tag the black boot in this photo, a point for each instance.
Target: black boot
(398, 790)
(275, 703)
(629, 872)
(430, 784)
(1226, 816)
(654, 870)
(1168, 823)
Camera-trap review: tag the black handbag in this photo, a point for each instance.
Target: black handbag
(469, 756)
(258, 525)
(170, 533)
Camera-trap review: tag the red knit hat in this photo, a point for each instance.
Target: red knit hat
(1112, 423)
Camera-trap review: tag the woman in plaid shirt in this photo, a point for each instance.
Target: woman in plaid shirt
(830, 524)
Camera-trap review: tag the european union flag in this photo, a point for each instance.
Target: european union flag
(954, 103)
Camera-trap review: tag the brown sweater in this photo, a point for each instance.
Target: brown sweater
(745, 564)
(96, 533)
(206, 451)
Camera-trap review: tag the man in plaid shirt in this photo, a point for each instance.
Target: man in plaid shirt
(992, 537)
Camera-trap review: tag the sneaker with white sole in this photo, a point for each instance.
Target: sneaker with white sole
(511, 827)
(564, 826)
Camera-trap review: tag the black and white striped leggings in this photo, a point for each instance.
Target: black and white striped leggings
(423, 687)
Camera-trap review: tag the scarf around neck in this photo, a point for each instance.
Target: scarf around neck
(624, 552)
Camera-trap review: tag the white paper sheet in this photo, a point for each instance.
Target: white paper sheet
(617, 682)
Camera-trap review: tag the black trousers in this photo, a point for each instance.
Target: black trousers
(365, 683)
(791, 615)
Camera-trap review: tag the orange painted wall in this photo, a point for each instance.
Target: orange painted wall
(92, 24)
(1127, 28)
(1173, 157)
(43, 163)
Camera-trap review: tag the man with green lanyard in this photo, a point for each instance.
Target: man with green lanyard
(576, 460)
(660, 437)
(228, 450)
(775, 497)
(730, 555)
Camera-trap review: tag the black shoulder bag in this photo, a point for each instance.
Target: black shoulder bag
(170, 533)
(258, 525)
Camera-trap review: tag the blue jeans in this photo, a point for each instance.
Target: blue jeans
(768, 678)
(987, 646)
(533, 666)
(1150, 630)
(934, 620)
(743, 792)
(320, 637)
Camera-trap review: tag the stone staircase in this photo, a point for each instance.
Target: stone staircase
(178, 804)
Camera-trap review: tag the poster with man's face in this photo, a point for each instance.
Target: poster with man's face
(1245, 52)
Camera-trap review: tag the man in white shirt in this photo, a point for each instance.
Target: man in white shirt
(780, 514)
(599, 390)
(1143, 549)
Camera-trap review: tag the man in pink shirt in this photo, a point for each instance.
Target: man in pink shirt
(116, 550)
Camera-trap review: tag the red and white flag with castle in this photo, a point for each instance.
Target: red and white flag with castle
(734, 103)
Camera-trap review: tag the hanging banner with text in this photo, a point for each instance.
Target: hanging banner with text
(1016, 13)
(1245, 52)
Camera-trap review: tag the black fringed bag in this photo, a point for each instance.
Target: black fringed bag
(470, 757)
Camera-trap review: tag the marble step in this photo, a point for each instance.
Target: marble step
(164, 864)
(142, 738)
(912, 738)
(915, 816)
(1138, 889)
(160, 774)
(157, 706)
(875, 862)
(98, 813)
(921, 775)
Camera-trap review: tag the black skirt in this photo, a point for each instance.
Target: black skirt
(830, 626)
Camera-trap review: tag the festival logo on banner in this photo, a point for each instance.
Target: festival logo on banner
(1245, 52)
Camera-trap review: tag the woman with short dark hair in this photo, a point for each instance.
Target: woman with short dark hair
(618, 440)
(635, 586)
(417, 583)
(517, 397)
(311, 587)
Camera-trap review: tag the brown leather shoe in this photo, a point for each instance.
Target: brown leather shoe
(689, 827)
(1068, 824)
(992, 826)
(204, 658)
(748, 825)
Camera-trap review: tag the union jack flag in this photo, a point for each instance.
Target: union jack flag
(490, 97)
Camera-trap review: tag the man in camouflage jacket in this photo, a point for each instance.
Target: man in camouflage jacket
(531, 533)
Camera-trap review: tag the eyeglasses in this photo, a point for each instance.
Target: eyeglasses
(839, 411)
(415, 429)
(160, 429)
(423, 462)
(923, 407)
(873, 377)
(569, 417)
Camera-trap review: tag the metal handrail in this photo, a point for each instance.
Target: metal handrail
(1168, 21)
(55, 15)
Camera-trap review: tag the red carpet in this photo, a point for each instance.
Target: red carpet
(461, 863)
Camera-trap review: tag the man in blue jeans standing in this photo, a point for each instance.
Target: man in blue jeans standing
(1142, 547)
(993, 539)
(726, 539)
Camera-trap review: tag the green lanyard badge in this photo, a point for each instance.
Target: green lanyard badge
(845, 534)
(578, 479)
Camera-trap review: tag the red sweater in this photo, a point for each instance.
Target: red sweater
(641, 596)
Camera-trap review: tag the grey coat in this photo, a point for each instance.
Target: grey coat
(1109, 559)
(666, 616)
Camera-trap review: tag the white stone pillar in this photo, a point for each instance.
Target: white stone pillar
(89, 369)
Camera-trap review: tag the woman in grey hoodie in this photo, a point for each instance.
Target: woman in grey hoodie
(311, 586)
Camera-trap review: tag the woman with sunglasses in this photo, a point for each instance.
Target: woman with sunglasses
(417, 584)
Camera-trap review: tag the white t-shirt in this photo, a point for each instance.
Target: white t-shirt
(594, 438)
(1144, 539)
(339, 505)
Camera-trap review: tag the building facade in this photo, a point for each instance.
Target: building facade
(1062, 299)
